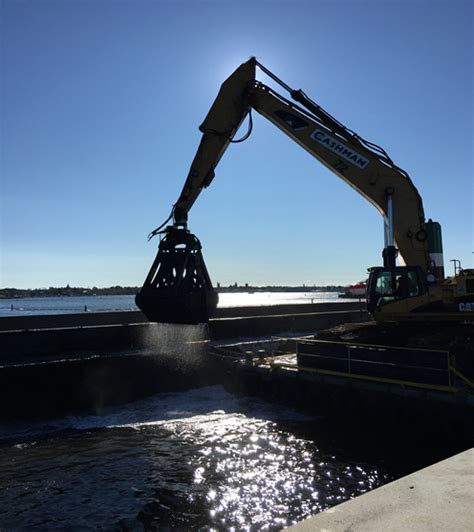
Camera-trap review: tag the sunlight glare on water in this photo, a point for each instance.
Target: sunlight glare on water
(31, 306)
(263, 475)
(258, 299)
(203, 459)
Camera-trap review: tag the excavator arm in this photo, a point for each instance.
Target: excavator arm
(369, 172)
(363, 165)
(219, 127)
(374, 176)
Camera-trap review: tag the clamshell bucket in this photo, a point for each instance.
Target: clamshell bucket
(178, 288)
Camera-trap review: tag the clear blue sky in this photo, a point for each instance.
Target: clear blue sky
(101, 103)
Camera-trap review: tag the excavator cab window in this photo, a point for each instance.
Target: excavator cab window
(387, 285)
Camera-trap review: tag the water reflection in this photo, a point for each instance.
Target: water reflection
(177, 462)
(255, 474)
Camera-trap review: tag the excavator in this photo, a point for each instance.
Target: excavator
(178, 287)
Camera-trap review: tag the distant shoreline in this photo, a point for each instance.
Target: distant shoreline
(20, 293)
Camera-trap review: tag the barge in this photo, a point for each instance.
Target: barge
(379, 387)
(58, 364)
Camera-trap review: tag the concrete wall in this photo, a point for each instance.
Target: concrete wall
(85, 367)
(91, 383)
(253, 326)
(439, 497)
(9, 323)
(39, 343)
(401, 417)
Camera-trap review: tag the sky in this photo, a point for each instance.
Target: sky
(101, 102)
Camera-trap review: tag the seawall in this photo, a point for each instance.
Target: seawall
(9, 323)
(56, 364)
(46, 336)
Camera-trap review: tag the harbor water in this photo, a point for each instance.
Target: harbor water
(29, 306)
(202, 459)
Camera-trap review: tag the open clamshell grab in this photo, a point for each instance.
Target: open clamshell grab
(178, 288)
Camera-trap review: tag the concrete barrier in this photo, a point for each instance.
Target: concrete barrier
(91, 383)
(439, 497)
(254, 326)
(88, 319)
(99, 337)
(54, 370)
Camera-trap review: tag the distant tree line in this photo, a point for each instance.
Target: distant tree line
(67, 291)
(8, 293)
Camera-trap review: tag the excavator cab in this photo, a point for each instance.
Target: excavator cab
(178, 288)
(390, 284)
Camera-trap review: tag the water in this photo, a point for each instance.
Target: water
(28, 306)
(197, 460)
(69, 305)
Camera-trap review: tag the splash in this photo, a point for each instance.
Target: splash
(185, 345)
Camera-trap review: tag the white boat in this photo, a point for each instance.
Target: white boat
(355, 290)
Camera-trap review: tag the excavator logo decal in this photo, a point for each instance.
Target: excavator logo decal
(295, 122)
(333, 144)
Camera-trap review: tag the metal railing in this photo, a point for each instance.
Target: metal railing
(433, 369)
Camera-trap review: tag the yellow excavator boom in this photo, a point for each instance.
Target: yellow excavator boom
(178, 288)
(371, 174)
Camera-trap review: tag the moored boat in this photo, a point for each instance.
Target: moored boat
(355, 291)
